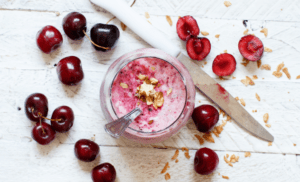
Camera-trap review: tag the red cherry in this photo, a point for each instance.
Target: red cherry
(43, 133)
(66, 116)
(69, 70)
(186, 27)
(104, 173)
(48, 39)
(205, 117)
(86, 150)
(206, 161)
(198, 48)
(251, 47)
(34, 104)
(224, 65)
(74, 24)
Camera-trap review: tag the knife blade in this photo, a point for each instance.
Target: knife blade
(202, 81)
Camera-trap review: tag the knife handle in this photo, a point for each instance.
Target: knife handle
(138, 25)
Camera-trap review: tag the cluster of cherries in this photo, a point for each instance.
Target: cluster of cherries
(69, 70)
(251, 47)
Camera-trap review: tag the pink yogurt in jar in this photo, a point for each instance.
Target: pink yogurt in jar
(124, 99)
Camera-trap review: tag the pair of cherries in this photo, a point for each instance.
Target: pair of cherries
(251, 47)
(36, 109)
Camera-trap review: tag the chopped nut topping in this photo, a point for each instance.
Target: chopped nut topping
(257, 96)
(187, 155)
(265, 31)
(169, 91)
(217, 36)
(153, 81)
(247, 154)
(225, 177)
(254, 77)
(266, 117)
(277, 74)
(167, 176)
(176, 160)
(267, 49)
(280, 66)
(123, 85)
(204, 33)
(243, 102)
(237, 98)
(147, 15)
(246, 32)
(266, 67)
(165, 168)
(258, 63)
(298, 77)
(150, 122)
(286, 72)
(227, 3)
(270, 144)
(153, 68)
(225, 51)
(176, 154)
(268, 125)
(123, 26)
(169, 20)
(200, 139)
(142, 77)
(208, 137)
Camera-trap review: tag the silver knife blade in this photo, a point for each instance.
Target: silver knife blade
(223, 99)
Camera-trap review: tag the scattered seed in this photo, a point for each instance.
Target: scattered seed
(225, 51)
(237, 98)
(265, 67)
(266, 117)
(257, 96)
(217, 36)
(243, 102)
(247, 154)
(265, 31)
(267, 49)
(286, 72)
(225, 177)
(227, 3)
(204, 33)
(268, 125)
(169, 20)
(254, 77)
(280, 66)
(277, 74)
(298, 77)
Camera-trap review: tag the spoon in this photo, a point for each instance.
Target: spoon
(118, 127)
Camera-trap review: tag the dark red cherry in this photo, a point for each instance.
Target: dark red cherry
(48, 39)
(74, 24)
(43, 133)
(86, 150)
(205, 117)
(69, 70)
(105, 35)
(104, 173)
(34, 104)
(66, 116)
(206, 161)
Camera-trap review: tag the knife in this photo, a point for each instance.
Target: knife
(202, 81)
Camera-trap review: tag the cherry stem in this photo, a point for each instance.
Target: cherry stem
(42, 126)
(48, 118)
(115, 17)
(93, 42)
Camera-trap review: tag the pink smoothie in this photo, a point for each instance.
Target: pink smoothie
(124, 99)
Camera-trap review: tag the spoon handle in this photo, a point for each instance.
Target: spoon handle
(117, 127)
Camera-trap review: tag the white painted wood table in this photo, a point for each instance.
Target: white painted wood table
(24, 69)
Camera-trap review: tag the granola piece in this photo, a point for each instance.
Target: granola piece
(165, 168)
(169, 20)
(270, 144)
(243, 102)
(219, 129)
(266, 117)
(233, 77)
(153, 68)
(280, 66)
(246, 32)
(123, 85)
(286, 72)
(232, 158)
(237, 158)
(277, 74)
(150, 122)
(268, 125)
(216, 133)
(245, 62)
(147, 15)
(123, 26)
(254, 77)
(251, 82)
(294, 144)
(142, 77)
(227, 155)
(247, 154)
(208, 137)
(265, 31)
(265, 67)
(237, 98)
(258, 63)
(217, 36)
(153, 81)
(204, 33)
(225, 177)
(184, 149)
(176, 160)
(267, 49)
(225, 51)
(227, 3)
(200, 139)
(257, 96)
(228, 118)
(167, 176)
(176, 154)
(187, 155)
(298, 77)
(222, 112)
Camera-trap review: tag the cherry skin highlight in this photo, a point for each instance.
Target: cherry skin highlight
(66, 116)
(86, 150)
(205, 117)
(104, 173)
(43, 133)
(49, 39)
(36, 104)
(206, 161)
(74, 24)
